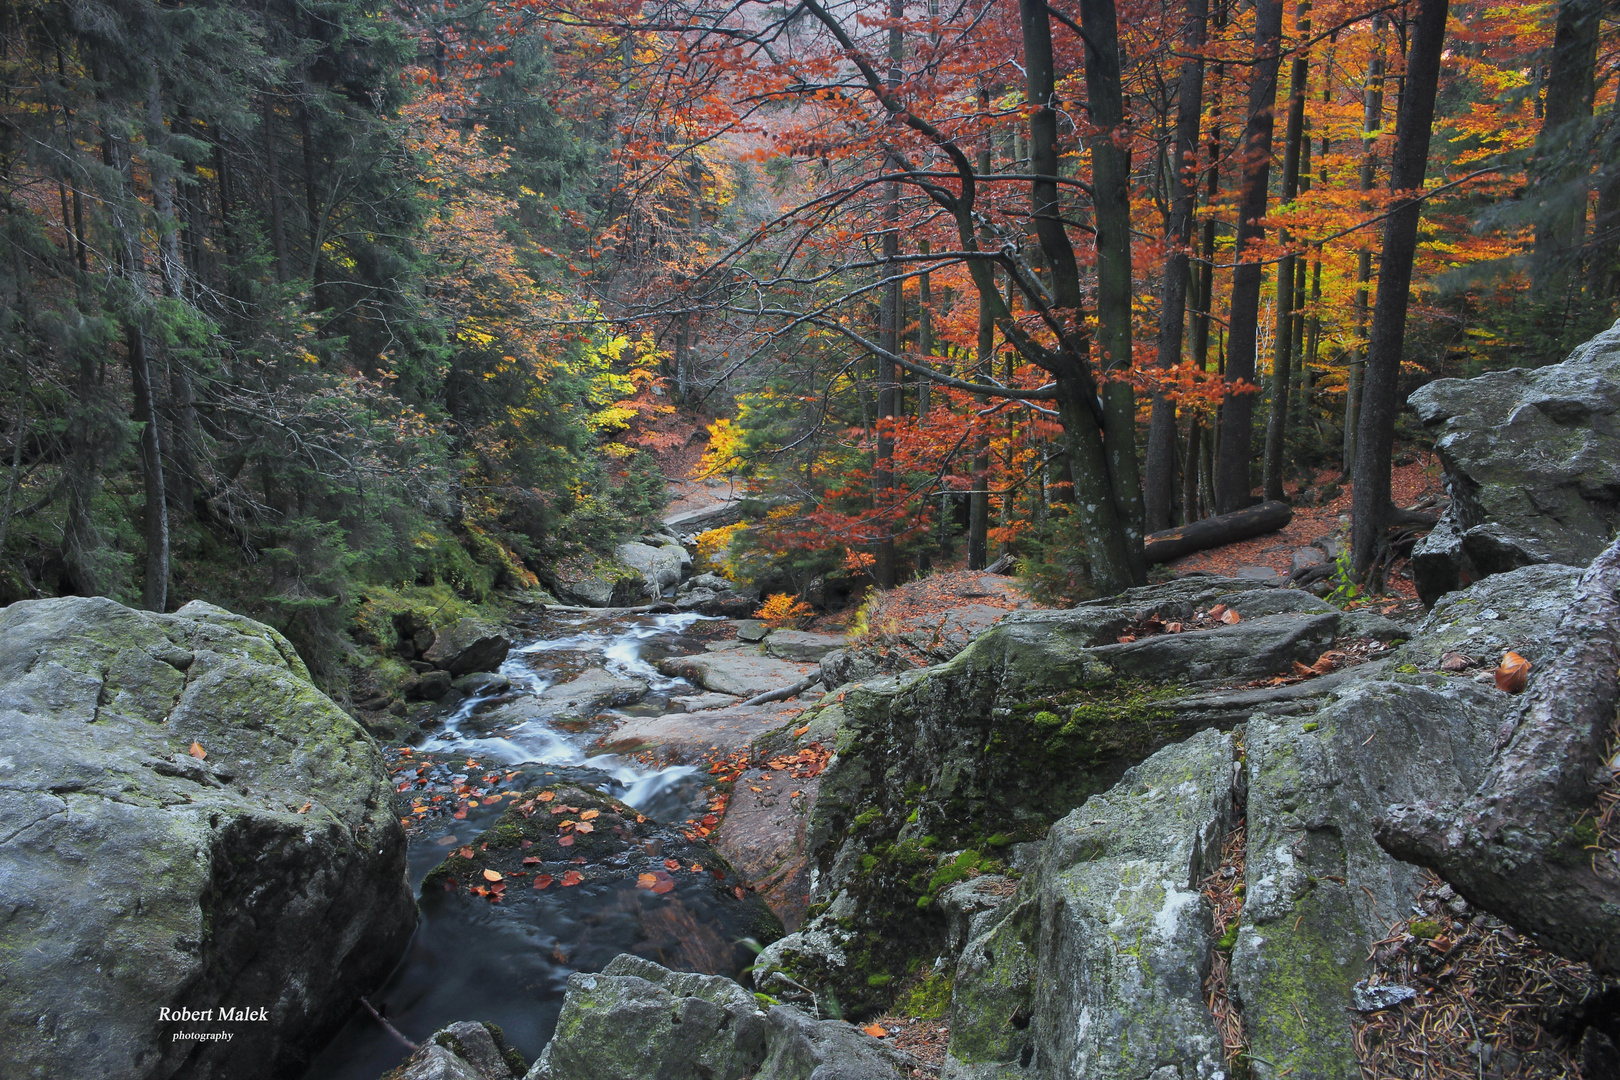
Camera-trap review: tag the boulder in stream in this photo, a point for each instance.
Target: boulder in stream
(466, 646)
(191, 825)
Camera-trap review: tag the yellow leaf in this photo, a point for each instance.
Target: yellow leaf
(493, 875)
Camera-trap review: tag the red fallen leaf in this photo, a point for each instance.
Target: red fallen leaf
(1217, 611)
(1230, 617)
(739, 891)
(493, 875)
(459, 815)
(1173, 627)
(672, 864)
(877, 1031)
(1126, 639)
(1513, 673)
(711, 820)
(466, 852)
(665, 884)
(542, 881)
(580, 859)
(646, 881)
(531, 860)
(546, 796)
(478, 890)
(719, 875)
(572, 877)
(197, 751)
(565, 841)
(1301, 669)
(528, 843)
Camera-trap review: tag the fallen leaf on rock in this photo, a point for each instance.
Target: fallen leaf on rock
(739, 891)
(565, 841)
(1301, 669)
(572, 877)
(1217, 611)
(542, 881)
(1172, 628)
(672, 864)
(1455, 661)
(1124, 639)
(697, 868)
(493, 875)
(531, 860)
(197, 751)
(1513, 673)
(877, 1031)
(800, 731)
(1230, 617)
(645, 881)
(466, 852)
(590, 814)
(751, 787)
(305, 808)
(584, 827)
(546, 796)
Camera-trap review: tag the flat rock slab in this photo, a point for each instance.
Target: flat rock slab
(690, 738)
(736, 672)
(801, 645)
(702, 702)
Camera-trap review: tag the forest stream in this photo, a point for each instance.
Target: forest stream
(508, 962)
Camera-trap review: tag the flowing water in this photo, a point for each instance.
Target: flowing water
(509, 964)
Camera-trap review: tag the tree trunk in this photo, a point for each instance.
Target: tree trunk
(1558, 174)
(1372, 119)
(1511, 848)
(1110, 178)
(1380, 400)
(925, 332)
(889, 337)
(978, 545)
(272, 164)
(1237, 409)
(1282, 353)
(1158, 492)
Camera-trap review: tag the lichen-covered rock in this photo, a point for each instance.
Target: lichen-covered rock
(607, 583)
(462, 1051)
(1111, 936)
(1319, 888)
(638, 1020)
(468, 645)
(1532, 460)
(801, 645)
(659, 567)
(1514, 610)
(190, 824)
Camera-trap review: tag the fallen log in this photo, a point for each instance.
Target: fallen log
(1212, 532)
(785, 692)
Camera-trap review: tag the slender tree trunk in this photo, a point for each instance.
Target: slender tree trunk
(1159, 487)
(978, 546)
(272, 165)
(1237, 410)
(1560, 164)
(1371, 506)
(889, 338)
(1110, 177)
(1282, 355)
(1372, 119)
(925, 332)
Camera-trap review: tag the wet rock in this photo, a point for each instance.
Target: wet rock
(700, 702)
(468, 645)
(753, 630)
(462, 1051)
(603, 584)
(481, 683)
(1532, 461)
(801, 646)
(579, 699)
(738, 673)
(142, 875)
(637, 1020)
(1106, 950)
(428, 686)
(689, 738)
(659, 567)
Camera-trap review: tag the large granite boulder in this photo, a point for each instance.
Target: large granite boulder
(191, 826)
(1532, 461)
(638, 1020)
(468, 645)
(659, 567)
(1100, 959)
(735, 672)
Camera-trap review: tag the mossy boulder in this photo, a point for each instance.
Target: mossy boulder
(191, 825)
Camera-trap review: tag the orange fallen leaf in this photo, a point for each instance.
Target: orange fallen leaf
(645, 881)
(531, 860)
(1124, 639)
(672, 864)
(305, 808)
(565, 841)
(751, 787)
(1513, 673)
(697, 868)
(800, 731)
(1301, 669)
(493, 875)
(877, 1031)
(1230, 617)
(542, 881)
(197, 751)
(1217, 611)
(546, 796)
(572, 877)
(584, 827)
(590, 814)
(466, 852)
(1173, 627)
